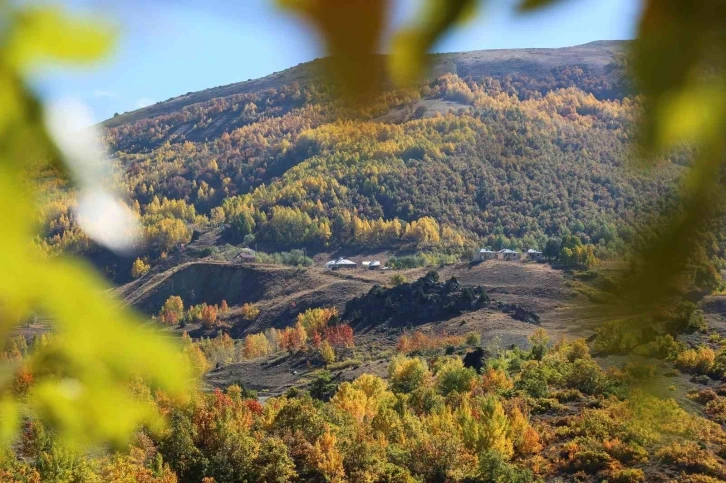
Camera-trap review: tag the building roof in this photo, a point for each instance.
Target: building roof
(485, 250)
(246, 253)
(340, 262)
(507, 250)
(534, 251)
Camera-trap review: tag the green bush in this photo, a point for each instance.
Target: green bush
(397, 280)
(293, 258)
(407, 374)
(323, 387)
(493, 467)
(587, 376)
(473, 339)
(452, 376)
(589, 461)
(628, 475)
(533, 380)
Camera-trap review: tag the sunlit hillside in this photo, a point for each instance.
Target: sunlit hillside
(498, 148)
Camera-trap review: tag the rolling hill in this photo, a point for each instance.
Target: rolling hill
(433, 368)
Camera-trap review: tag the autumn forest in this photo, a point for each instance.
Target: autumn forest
(433, 369)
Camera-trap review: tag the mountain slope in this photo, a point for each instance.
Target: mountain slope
(509, 148)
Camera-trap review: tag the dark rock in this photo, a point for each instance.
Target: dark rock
(425, 300)
(476, 359)
(518, 312)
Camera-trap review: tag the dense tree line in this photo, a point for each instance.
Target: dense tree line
(542, 414)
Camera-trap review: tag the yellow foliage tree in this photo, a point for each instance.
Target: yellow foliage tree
(139, 268)
(487, 428)
(250, 311)
(363, 398)
(256, 345)
(168, 233)
(326, 457)
(195, 357)
(315, 320)
(408, 374)
(424, 232)
(327, 352)
(172, 311)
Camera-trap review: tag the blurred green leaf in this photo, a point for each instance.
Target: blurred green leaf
(527, 5)
(678, 66)
(352, 33)
(679, 44)
(411, 44)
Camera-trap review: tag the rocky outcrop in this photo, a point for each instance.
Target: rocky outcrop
(409, 304)
(517, 312)
(425, 300)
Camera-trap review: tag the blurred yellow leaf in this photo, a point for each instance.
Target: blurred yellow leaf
(98, 347)
(42, 34)
(693, 115)
(352, 31)
(88, 413)
(82, 378)
(9, 420)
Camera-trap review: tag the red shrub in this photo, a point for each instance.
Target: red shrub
(340, 335)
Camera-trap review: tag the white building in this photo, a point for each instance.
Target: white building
(484, 254)
(246, 255)
(340, 263)
(535, 255)
(508, 255)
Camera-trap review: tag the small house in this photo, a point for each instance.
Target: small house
(340, 263)
(484, 254)
(508, 255)
(246, 255)
(535, 255)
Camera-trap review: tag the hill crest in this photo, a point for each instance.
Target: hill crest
(531, 61)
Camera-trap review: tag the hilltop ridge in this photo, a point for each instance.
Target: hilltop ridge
(531, 61)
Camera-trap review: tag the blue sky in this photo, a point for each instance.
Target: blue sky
(167, 48)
